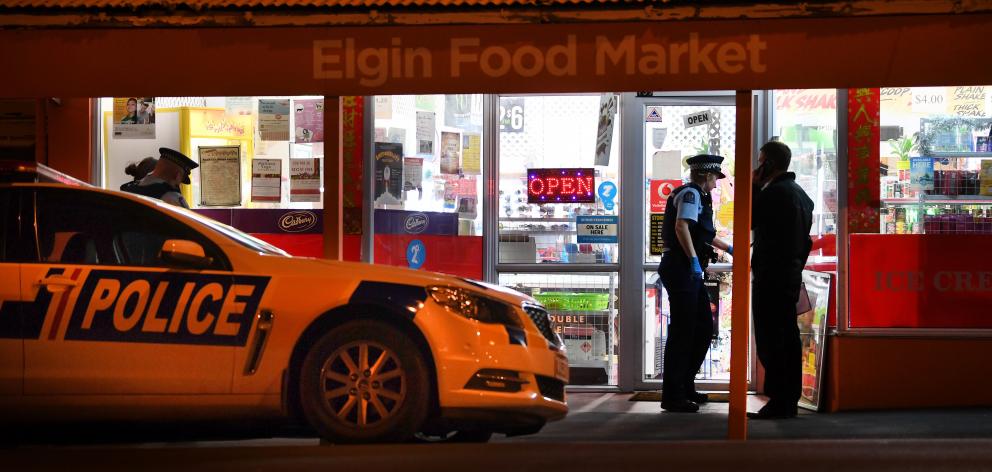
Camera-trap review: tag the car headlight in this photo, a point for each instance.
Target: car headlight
(473, 306)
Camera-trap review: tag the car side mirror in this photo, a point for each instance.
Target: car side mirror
(183, 253)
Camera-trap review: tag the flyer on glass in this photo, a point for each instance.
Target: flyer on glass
(604, 133)
(451, 151)
(388, 173)
(220, 175)
(304, 180)
(309, 120)
(238, 106)
(413, 173)
(273, 120)
(471, 154)
(426, 130)
(134, 118)
(266, 180)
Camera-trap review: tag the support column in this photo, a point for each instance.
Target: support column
(333, 180)
(741, 316)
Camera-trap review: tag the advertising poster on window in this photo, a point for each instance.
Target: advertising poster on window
(471, 154)
(656, 244)
(426, 130)
(812, 333)
(463, 112)
(424, 102)
(237, 106)
(451, 152)
(309, 120)
(413, 174)
(985, 176)
(273, 120)
(604, 133)
(134, 118)
(266, 180)
(304, 180)
(863, 128)
(511, 115)
(388, 173)
(921, 173)
(383, 107)
(220, 175)
(660, 191)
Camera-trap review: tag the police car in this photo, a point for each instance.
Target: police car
(116, 306)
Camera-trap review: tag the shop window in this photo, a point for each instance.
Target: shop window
(936, 160)
(806, 120)
(260, 157)
(570, 135)
(428, 172)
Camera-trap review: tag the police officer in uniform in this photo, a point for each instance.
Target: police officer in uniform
(689, 237)
(172, 168)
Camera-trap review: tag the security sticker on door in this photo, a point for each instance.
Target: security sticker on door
(597, 229)
(697, 119)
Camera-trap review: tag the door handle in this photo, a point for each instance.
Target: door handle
(57, 283)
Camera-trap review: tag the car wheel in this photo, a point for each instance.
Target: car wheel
(365, 382)
(466, 436)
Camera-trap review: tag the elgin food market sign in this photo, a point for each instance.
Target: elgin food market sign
(742, 54)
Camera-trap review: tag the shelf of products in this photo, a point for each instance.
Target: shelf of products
(949, 193)
(584, 313)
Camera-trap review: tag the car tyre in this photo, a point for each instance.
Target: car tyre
(365, 382)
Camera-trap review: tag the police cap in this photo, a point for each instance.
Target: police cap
(178, 159)
(707, 163)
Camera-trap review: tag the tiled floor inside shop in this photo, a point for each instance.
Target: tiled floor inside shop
(613, 417)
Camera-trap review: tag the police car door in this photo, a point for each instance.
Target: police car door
(11, 331)
(120, 320)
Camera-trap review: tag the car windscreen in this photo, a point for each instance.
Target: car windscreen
(235, 235)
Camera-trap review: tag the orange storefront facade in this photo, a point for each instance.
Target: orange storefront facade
(741, 48)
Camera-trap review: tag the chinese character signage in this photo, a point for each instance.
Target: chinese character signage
(863, 159)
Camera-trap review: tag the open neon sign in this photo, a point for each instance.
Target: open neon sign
(560, 186)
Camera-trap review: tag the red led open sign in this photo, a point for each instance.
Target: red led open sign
(560, 186)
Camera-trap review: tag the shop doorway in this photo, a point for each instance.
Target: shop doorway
(661, 133)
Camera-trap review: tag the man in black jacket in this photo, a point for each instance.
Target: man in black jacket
(783, 215)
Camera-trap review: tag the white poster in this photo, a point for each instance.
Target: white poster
(413, 173)
(604, 133)
(237, 105)
(383, 107)
(666, 165)
(266, 180)
(396, 135)
(273, 120)
(658, 136)
(304, 180)
(426, 130)
(451, 152)
(220, 175)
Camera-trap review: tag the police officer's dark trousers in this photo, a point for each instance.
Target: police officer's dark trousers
(776, 336)
(690, 327)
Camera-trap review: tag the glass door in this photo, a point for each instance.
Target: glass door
(558, 217)
(670, 130)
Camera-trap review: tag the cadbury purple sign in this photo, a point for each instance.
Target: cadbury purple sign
(268, 221)
(415, 222)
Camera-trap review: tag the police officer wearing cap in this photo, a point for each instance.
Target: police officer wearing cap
(172, 168)
(689, 237)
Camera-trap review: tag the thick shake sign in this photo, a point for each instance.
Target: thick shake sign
(374, 65)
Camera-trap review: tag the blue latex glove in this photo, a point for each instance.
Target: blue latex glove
(730, 250)
(697, 270)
